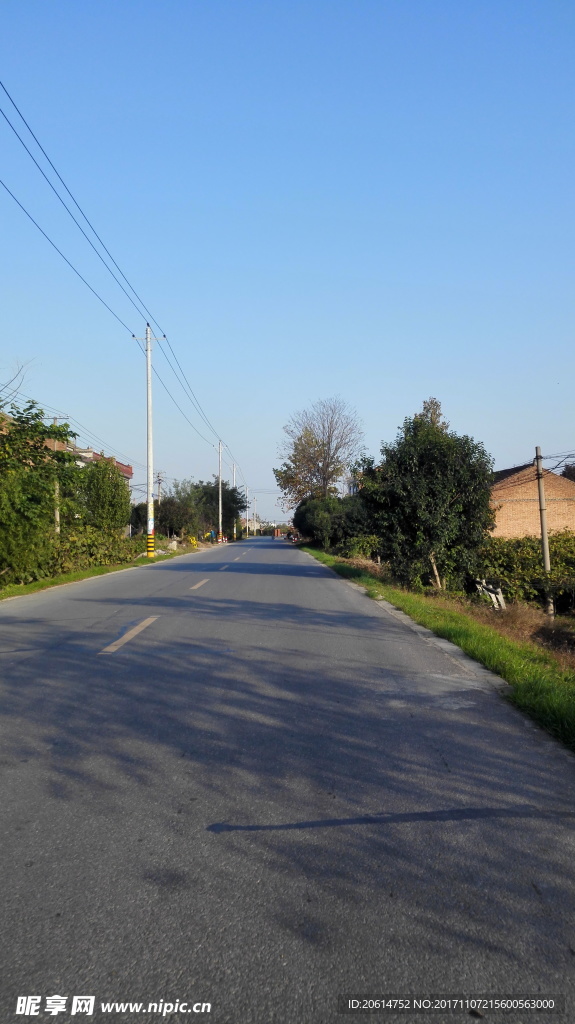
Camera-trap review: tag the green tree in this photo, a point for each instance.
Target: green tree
(27, 442)
(171, 517)
(192, 507)
(187, 495)
(329, 521)
(139, 517)
(320, 444)
(106, 496)
(431, 413)
(31, 467)
(233, 504)
(429, 502)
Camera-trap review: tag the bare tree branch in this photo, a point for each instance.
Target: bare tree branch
(320, 444)
(10, 388)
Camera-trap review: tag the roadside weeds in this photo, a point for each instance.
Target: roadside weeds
(21, 589)
(542, 682)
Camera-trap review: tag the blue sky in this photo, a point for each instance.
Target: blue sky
(365, 198)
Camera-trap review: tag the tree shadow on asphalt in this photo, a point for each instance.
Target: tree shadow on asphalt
(313, 571)
(340, 767)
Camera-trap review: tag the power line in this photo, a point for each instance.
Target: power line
(237, 465)
(195, 399)
(109, 308)
(65, 258)
(74, 200)
(88, 434)
(507, 483)
(104, 303)
(187, 387)
(165, 387)
(68, 210)
(192, 396)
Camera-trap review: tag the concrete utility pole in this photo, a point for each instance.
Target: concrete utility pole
(234, 486)
(247, 510)
(549, 607)
(220, 492)
(56, 491)
(255, 515)
(151, 540)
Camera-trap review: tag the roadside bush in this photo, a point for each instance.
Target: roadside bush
(364, 546)
(517, 566)
(72, 551)
(26, 526)
(86, 547)
(332, 520)
(106, 496)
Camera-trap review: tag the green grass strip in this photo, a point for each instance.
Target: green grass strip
(20, 589)
(539, 684)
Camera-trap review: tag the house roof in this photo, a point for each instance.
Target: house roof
(502, 474)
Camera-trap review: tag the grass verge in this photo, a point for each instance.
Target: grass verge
(540, 686)
(20, 589)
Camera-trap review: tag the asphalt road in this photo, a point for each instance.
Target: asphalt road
(274, 793)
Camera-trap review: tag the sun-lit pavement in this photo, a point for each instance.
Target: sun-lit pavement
(232, 779)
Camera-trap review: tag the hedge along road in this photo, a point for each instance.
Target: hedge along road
(231, 778)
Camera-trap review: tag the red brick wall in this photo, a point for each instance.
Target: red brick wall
(516, 504)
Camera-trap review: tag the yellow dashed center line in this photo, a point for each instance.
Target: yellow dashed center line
(129, 635)
(200, 584)
(222, 567)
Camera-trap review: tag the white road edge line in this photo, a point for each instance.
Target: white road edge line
(129, 635)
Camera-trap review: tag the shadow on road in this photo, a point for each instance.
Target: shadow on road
(343, 765)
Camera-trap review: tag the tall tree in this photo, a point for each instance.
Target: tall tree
(320, 444)
(429, 501)
(192, 507)
(431, 413)
(233, 504)
(330, 520)
(27, 442)
(106, 496)
(33, 460)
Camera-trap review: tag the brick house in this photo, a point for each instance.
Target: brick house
(87, 455)
(515, 498)
(83, 455)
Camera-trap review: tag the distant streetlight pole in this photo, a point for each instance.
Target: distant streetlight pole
(247, 510)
